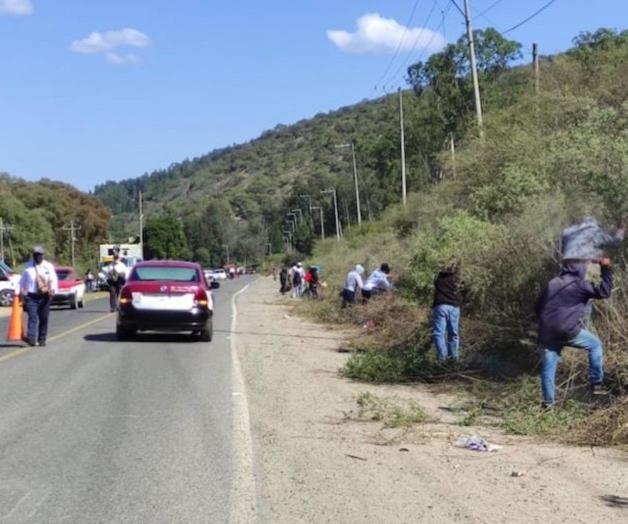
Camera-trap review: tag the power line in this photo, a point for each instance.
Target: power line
(429, 42)
(396, 54)
(533, 15)
(490, 7)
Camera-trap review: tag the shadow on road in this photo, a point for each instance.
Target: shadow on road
(142, 338)
(615, 501)
(9, 346)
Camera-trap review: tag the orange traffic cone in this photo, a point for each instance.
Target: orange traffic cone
(16, 327)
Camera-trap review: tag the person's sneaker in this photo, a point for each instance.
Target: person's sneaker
(599, 389)
(546, 406)
(30, 342)
(42, 343)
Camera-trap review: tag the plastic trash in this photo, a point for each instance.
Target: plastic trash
(475, 444)
(587, 240)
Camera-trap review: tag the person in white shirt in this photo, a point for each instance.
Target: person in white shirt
(38, 285)
(378, 282)
(352, 284)
(116, 278)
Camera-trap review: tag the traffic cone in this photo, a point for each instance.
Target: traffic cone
(16, 327)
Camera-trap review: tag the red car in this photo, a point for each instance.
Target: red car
(166, 296)
(71, 288)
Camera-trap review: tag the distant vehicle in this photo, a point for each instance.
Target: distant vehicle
(9, 284)
(71, 288)
(218, 274)
(130, 253)
(166, 296)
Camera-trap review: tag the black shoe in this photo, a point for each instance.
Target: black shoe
(599, 390)
(42, 343)
(30, 342)
(112, 310)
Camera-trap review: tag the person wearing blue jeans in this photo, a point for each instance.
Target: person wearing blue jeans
(561, 310)
(446, 314)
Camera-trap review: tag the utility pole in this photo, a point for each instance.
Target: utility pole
(536, 67)
(474, 68)
(141, 217)
(309, 206)
(300, 214)
(72, 228)
(320, 210)
(226, 246)
(355, 180)
(453, 153)
(4, 229)
(403, 151)
(332, 191)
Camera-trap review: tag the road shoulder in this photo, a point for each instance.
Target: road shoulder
(321, 464)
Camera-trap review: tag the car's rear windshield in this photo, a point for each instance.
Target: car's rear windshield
(178, 274)
(63, 275)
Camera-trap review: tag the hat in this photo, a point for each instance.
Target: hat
(299, 264)
(39, 250)
(359, 268)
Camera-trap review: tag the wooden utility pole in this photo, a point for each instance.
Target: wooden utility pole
(320, 210)
(72, 228)
(474, 67)
(141, 217)
(357, 187)
(536, 68)
(355, 181)
(403, 151)
(332, 191)
(4, 228)
(452, 145)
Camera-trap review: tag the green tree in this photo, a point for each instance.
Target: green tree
(164, 238)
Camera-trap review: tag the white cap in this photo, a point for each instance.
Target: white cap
(359, 269)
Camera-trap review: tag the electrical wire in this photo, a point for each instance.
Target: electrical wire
(396, 54)
(533, 15)
(490, 7)
(418, 38)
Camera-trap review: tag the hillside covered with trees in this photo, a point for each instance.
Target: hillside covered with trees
(245, 191)
(36, 213)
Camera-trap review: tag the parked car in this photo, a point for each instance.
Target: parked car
(218, 274)
(170, 296)
(9, 284)
(71, 288)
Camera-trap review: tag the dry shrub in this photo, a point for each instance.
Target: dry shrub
(604, 427)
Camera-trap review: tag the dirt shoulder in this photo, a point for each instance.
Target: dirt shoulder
(320, 464)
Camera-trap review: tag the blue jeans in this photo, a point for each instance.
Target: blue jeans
(551, 357)
(445, 319)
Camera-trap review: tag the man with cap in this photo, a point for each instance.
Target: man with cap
(352, 284)
(38, 284)
(116, 278)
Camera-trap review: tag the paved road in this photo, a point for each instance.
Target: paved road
(94, 430)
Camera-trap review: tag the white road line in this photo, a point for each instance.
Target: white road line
(243, 494)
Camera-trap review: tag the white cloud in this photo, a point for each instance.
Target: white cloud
(376, 34)
(16, 7)
(108, 42)
(122, 59)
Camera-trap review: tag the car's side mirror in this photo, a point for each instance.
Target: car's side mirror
(214, 284)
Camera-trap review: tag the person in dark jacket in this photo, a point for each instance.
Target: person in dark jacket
(283, 280)
(561, 310)
(446, 314)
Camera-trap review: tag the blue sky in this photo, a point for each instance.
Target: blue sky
(188, 76)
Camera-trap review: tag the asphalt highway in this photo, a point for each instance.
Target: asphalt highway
(95, 430)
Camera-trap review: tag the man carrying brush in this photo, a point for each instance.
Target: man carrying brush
(561, 310)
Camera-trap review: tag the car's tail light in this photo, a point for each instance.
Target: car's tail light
(126, 297)
(200, 298)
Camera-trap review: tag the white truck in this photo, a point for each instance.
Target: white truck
(130, 254)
